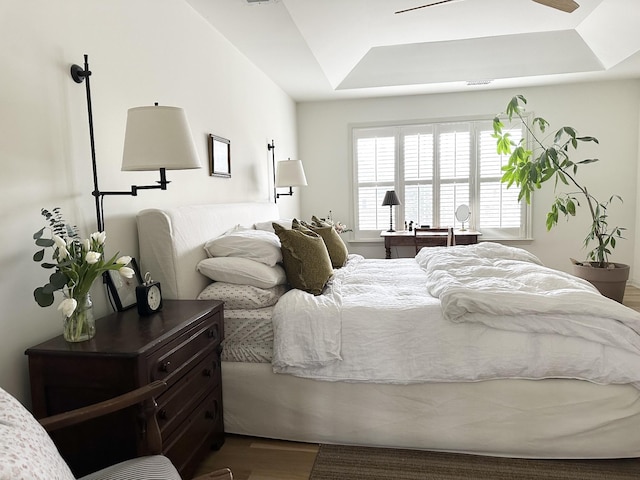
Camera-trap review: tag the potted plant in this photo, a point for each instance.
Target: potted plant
(550, 159)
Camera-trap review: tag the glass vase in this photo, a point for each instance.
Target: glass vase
(81, 325)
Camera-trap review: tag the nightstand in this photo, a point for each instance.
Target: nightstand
(180, 345)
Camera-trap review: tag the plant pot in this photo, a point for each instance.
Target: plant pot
(610, 282)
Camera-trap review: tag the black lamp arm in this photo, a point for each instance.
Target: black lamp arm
(162, 185)
(272, 148)
(278, 195)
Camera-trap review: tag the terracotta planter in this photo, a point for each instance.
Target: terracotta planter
(610, 282)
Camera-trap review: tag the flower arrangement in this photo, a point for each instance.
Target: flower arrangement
(339, 226)
(77, 263)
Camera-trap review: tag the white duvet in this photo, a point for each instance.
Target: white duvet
(455, 314)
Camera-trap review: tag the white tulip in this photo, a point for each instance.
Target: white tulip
(68, 306)
(126, 272)
(99, 237)
(62, 247)
(92, 257)
(86, 246)
(58, 241)
(124, 260)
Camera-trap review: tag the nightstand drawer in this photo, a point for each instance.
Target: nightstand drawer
(175, 405)
(196, 435)
(181, 355)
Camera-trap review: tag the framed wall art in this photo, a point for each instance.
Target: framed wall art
(123, 290)
(219, 156)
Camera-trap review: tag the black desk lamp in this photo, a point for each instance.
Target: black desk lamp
(391, 199)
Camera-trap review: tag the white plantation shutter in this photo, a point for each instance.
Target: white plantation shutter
(454, 164)
(434, 168)
(417, 148)
(500, 210)
(375, 161)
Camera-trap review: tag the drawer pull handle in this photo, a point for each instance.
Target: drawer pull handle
(162, 414)
(212, 333)
(212, 415)
(165, 366)
(207, 372)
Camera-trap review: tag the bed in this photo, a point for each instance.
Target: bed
(511, 415)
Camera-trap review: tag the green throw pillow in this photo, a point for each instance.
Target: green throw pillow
(319, 222)
(305, 258)
(336, 247)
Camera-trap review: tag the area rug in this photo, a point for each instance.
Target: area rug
(335, 462)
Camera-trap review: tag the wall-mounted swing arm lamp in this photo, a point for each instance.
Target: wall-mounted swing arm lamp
(156, 138)
(289, 173)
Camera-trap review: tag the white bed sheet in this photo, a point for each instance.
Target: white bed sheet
(248, 336)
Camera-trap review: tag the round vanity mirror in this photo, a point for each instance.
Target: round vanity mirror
(462, 214)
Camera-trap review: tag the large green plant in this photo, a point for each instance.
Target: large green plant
(549, 159)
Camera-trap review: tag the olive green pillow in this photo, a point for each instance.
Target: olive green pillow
(336, 247)
(305, 258)
(319, 222)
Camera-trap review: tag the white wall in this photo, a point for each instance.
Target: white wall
(608, 111)
(140, 52)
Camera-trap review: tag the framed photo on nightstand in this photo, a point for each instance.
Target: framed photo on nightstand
(123, 290)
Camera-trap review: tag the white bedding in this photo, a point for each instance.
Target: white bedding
(507, 288)
(376, 322)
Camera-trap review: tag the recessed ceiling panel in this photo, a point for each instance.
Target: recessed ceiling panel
(509, 56)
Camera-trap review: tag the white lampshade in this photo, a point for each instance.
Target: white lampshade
(290, 174)
(158, 137)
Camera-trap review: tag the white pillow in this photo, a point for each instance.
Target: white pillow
(26, 450)
(242, 271)
(257, 245)
(268, 226)
(242, 297)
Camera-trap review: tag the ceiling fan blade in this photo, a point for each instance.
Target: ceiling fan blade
(564, 5)
(423, 6)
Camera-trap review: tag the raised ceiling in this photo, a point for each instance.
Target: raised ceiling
(329, 49)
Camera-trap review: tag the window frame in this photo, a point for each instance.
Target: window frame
(356, 131)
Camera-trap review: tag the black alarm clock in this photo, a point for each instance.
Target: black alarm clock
(149, 296)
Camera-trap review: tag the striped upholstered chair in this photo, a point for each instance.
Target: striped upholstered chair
(28, 453)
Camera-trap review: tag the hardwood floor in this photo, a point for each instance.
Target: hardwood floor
(252, 458)
(262, 459)
(632, 297)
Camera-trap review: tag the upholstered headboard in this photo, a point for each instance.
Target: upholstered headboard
(172, 240)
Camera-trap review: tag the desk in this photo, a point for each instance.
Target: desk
(406, 239)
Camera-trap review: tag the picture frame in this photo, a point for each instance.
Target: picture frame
(219, 156)
(123, 290)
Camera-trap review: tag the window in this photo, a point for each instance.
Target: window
(434, 168)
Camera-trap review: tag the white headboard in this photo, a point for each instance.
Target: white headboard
(172, 241)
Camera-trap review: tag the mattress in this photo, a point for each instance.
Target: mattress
(248, 336)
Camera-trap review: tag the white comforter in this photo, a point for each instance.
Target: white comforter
(500, 315)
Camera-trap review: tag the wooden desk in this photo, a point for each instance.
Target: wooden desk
(407, 239)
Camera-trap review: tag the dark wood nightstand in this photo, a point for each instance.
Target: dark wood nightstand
(180, 345)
